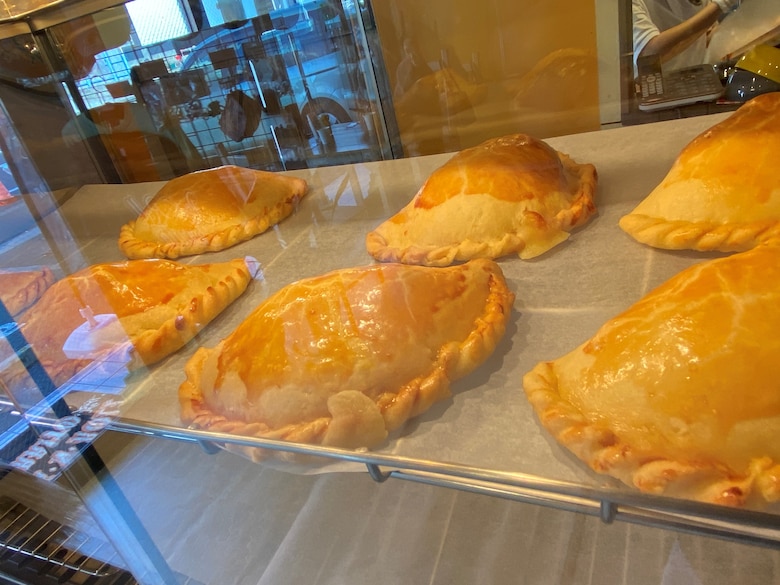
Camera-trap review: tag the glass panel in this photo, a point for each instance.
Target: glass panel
(705, 77)
(279, 90)
(157, 88)
(463, 71)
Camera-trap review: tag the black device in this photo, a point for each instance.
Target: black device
(657, 89)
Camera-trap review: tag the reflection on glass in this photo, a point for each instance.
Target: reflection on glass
(41, 434)
(464, 72)
(279, 90)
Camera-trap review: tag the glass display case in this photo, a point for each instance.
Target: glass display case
(103, 103)
(149, 99)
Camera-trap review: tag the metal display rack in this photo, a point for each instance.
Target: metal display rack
(36, 539)
(40, 548)
(744, 526)
(37, 550)
(302, 247)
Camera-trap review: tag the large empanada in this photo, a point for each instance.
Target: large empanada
(210, 210)
(19, 289)
(509, 194)
(153, 307)
(680, 394)
(723, 191)
(343, 358)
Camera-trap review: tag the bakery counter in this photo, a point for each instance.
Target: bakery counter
(486, 438)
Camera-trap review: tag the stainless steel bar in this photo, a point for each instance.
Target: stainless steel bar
(651, 518)
(80, 562)
(46, 538)
(20, 527)
(54, 556)
(91, 563)
(6, 512)
(108, 558)
(31, 537)
(71, 552)
(685, 515)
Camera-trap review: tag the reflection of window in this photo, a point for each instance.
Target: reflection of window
(184, 87)
(224, 58)
(157, 20)
(8, 186)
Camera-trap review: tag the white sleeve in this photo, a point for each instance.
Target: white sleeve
(644, 28)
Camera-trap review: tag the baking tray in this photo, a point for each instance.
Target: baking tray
(486, 437)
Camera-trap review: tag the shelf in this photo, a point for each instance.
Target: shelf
(36, 548)
(486, 439)
(745, 526)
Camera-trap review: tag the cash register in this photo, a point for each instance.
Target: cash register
(657, 89)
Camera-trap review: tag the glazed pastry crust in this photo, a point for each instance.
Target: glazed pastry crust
(210, 210)
(678, 395)
(159, 304)
(512, 194)
(723, 190)
(20, 289)
(344, 358)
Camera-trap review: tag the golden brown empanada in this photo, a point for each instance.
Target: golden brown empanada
(343, 358)
(680, 394)
(19, 289)
(210, 210)
(723, 191)
(509, 194)
(154, 305)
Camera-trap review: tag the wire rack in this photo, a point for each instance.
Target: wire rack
(35, 550)
(39, 550)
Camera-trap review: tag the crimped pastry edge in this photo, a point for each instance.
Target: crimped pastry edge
(154, 345)
(454, 361)
(699, 236)
(604, 452)
(583, 206)
(135, 248)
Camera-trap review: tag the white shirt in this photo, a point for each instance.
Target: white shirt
(651, 17)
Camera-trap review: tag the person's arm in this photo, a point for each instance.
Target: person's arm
(673, 41)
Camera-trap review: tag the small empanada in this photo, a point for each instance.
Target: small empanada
(20, 289)
(344, 358)
(441, 93)
(155, 306)
(513, 194)
(680, 394)
(210, 210)
(723, 191)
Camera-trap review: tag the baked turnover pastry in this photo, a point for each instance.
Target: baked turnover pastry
(680, 394)
(723, 191)
(20, 289)
(512, 194)
(153, 306)
(210, 210)
(344, 358)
